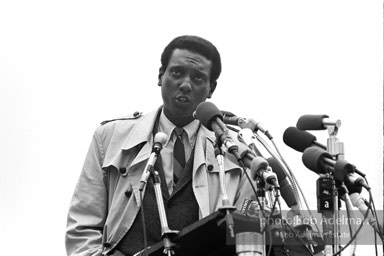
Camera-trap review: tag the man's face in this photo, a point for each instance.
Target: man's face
(185, 84)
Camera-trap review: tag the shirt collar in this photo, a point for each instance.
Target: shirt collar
(166, 126)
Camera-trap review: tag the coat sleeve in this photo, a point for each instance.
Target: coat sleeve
(88, 207)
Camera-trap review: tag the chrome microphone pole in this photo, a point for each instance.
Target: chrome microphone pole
(166, 233)
(226, 207)
(336, 149)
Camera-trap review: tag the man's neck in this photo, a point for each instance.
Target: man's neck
(179, 121)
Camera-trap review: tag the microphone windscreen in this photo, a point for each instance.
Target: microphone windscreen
(258, 163)
(342, 167)
(275, 165)
(297, 139)
(311, 122)
(245, 154)
(286, 188)
(161, 138)
(313, 159)
(244, 150)
(206, 112)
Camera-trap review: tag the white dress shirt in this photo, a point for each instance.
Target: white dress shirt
(166, 126)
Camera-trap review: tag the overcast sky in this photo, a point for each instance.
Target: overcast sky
(65, 66)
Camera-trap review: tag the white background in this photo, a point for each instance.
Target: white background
(67, 65)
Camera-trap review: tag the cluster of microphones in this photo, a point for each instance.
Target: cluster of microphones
(270, 170)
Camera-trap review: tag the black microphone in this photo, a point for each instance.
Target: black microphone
(321, 162)
(286, 188)
(210, 116)
(300, 140)
(316, 122)
(318, 160)
(159, 141)
(232, 119)
(260, 168)
(344, 171)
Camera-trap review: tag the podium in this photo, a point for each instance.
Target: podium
(210, 237)
(205, 237)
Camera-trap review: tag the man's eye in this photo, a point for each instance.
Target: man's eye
(175, 72)
(199, 78)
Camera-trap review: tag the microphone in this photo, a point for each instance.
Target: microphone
(159, 141)
(316, 122)
(359, 202)
(318, 160)
(210, 116)
(232, 119)
(246, 155)
(300, 140)
(247, 137)
(260, 167)
(321, 162)
(227, 114)
(286, 188)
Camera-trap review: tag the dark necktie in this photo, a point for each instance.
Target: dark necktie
(179, 155)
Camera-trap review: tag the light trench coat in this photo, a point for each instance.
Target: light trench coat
(107, 199)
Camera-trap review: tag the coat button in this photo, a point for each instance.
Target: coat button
(123, 171)
(210, 167)
(136, 113)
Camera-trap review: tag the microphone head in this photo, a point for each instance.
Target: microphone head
(352, 186)
(286, 188)
(313, 159)
(342, 167)
(160, 138)
(276, 168)
(206, 112)
(258, 163)
(311, 122)
(297, 139)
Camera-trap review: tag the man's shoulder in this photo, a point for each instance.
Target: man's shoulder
(133, 116)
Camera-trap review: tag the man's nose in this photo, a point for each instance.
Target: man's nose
(186, 86)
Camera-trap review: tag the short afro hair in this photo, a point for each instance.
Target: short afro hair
(197, 45)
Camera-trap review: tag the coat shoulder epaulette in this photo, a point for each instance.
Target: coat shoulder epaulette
(134, 115)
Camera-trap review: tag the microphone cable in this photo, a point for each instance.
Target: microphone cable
(350, 215)
(244, 169)
(373, 210)
(276, 196)
(358, 230)
(143, 224)
(295, 185)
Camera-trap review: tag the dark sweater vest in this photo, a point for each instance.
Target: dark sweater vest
(181, 210)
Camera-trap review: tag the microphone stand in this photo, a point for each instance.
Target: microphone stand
(166, 233)
(251, 243)
(227, 208)
(325, 205)
(336, 149)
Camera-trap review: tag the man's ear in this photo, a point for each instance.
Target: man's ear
(160, 76)
(213, 87)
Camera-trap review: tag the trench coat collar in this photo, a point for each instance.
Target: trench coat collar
(143, 133)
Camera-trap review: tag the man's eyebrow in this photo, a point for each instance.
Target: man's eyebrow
(195, 68)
